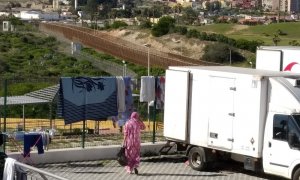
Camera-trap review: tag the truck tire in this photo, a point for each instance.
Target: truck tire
(196, 158)
(296, 175)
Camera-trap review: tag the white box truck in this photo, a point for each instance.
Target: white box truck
(248, 115)
(278, 58)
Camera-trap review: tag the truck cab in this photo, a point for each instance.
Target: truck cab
(281, 154)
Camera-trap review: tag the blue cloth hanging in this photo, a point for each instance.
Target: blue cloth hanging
(30, 140)
(84, 98)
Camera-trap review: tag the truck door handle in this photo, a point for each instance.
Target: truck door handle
(231, 114)
(270, 144)
(232, 88)
(230, 139)
(213, 135)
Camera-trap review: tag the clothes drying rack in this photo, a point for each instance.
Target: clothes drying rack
(23, 157)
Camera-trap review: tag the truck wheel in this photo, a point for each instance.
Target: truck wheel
(296, 175)
(196, 158)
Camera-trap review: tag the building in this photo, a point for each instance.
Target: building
(30, 15)
(7, 26)
(289, 6)
(55, 4)
(245, 4)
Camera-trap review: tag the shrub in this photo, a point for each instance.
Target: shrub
(146, 24)
(163, 26)
(220, 53)
(181, 30)
(118, 24)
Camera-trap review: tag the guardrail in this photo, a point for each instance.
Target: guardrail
(42, 174)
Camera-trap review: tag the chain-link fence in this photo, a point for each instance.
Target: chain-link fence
(31, 105)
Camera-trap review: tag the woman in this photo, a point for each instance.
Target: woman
(132, 142)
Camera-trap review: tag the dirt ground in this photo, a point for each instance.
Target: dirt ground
(172, 43)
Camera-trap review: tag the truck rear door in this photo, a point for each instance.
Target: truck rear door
(221, 113)
(176, 104)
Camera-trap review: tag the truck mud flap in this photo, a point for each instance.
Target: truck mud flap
(252, 164)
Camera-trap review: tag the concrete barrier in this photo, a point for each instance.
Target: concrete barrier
(80, 154)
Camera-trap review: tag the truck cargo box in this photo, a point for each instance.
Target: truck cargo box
(278, 58)
(219, 107)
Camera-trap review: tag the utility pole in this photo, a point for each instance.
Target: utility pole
(230, 56)
(278, 16)
(148, 68)
(75, 5)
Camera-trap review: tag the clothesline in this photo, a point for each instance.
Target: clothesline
(39, 139)
(98, 98)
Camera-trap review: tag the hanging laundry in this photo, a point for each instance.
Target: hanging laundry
(21, 173)
(2, 139)
(9, 169)
(160, 92)
(31, 140)
(128, 102)
(84, 98)
(45, 139)
(121, 94)
(147, 92)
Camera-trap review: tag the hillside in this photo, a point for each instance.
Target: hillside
(27, 55)
(172, 43)
(191, 47)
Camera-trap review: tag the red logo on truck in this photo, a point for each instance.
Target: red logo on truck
(290, 66)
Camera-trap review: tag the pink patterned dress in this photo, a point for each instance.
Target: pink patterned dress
(132, 141)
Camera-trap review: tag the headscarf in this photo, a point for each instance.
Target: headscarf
(134, 116)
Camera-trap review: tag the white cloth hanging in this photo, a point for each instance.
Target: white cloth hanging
(121, 94)
(147, 92)
(9, 169)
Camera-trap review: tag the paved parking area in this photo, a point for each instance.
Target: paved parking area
(158, 168)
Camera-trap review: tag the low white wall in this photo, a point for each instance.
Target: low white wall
(80, 154)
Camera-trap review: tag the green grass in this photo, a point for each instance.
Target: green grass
(292, 29)
(259, 32)
(266, 39)
(215, 28)
(266, 33)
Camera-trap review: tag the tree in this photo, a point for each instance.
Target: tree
(3, 65)
(15, 21)
(189, 15)
(193, 33)
(276, 39)
(118, 24)
(294, 43)
(145, 24)
(207, 5)
(177, 8)
(221, 53)
(216, 5)
(157, 11)
(91, 8)
(181, 30)
(163, 26)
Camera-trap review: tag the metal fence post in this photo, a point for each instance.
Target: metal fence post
(154, 119)
(4, 109)
(154, 113)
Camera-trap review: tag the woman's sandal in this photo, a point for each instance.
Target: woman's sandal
(136, 171)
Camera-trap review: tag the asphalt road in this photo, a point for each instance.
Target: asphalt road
(157, 168)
